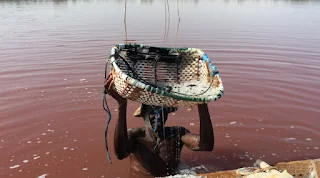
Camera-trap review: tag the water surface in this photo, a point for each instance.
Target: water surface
(52, 57)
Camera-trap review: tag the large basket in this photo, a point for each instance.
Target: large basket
(301, 169)
(298, 169)
(165, 76)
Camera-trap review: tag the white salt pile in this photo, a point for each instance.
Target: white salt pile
(42, 176)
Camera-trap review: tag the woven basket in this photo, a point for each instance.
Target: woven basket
(302, 169)
(298, 169)
(164, 76)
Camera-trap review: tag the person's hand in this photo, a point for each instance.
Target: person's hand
(108, 85)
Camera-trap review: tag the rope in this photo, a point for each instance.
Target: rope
(178, 25)
(168, 20)
(165, 20)
(106, 108)
(125, 20)
(178, 9)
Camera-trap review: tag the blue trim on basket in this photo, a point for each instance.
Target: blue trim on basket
(212, 67)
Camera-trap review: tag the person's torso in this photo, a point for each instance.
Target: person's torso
(159, 159)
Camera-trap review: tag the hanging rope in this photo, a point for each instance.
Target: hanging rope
(168, 20)
(106, 108)
(104, 101)
(125, 21)
(165, 20)
(178, 10)
(178, 25)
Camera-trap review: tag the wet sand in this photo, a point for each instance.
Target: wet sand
(52, 57)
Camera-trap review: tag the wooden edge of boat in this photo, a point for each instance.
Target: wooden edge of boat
(299, 169)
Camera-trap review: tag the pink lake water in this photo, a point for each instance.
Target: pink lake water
(52, 58)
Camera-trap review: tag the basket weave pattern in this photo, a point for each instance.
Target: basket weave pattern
(189, 67)
(302, 169)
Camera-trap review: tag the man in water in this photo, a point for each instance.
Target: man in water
(155, 149)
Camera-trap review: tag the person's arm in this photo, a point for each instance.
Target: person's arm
(121, 141)
(122, 145)
(124, 138)
(204, 141)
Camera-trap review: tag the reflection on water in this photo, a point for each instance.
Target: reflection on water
(52, 57)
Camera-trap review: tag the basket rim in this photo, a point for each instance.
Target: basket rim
(159, 91)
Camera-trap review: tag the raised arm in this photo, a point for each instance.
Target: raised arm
(121, 139)
(204, 141)
(122, 144)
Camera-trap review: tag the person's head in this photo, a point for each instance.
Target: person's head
(154, 117)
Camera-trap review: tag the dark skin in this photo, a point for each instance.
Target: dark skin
(141, 143)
